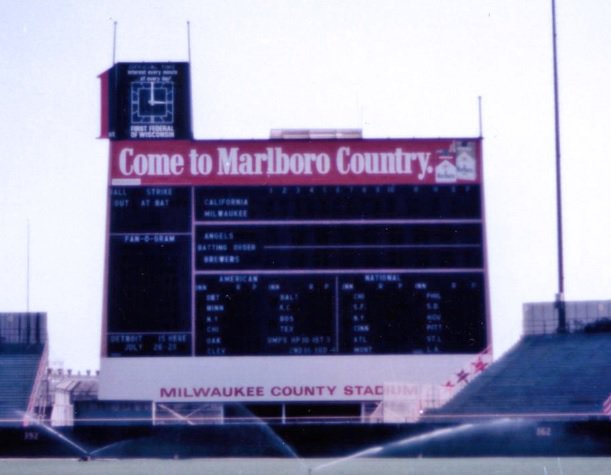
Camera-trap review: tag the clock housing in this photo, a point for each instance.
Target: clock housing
(149, 101)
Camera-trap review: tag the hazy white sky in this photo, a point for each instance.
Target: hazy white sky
(402, 68)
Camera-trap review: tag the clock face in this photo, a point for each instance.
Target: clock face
(152, 102)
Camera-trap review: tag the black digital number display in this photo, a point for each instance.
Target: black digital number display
(296, 270)
(157, 209)
(150, 285)
(340, 246)
(338, 202)
(251, 315)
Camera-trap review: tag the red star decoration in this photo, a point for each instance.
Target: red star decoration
(479, 365)
(449, 384)
(463, 376)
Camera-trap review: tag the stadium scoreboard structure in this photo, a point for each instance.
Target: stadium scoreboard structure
(262, 270)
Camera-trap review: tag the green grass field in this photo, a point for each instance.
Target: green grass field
(256, 466)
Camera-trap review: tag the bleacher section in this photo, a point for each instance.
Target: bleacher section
(17, 375)
(23, 339)
(558, 376)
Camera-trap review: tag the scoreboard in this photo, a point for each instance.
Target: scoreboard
(276, 256)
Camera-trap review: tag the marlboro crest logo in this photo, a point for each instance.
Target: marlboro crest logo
(456, 163)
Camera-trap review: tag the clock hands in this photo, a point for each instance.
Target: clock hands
(152, 101)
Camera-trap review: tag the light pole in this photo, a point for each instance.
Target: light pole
(560, 304)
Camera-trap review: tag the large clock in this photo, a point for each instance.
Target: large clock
(149, 101)
(152, 102)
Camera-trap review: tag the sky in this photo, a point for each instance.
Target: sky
(394, 68)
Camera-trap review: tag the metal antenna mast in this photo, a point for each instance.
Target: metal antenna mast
(189, 40)
(480, 119)
(560, 303)
(27, 277)
(114, 42)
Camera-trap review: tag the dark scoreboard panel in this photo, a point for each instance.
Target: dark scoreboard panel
(348, 314)
(295, 270)
(328, 246)
(338, 202)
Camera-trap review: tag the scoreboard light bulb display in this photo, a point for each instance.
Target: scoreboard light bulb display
(367, 266)
(320, 274)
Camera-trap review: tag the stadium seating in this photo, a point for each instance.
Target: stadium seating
(17, 375)
(23, 338)
(557, 376)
